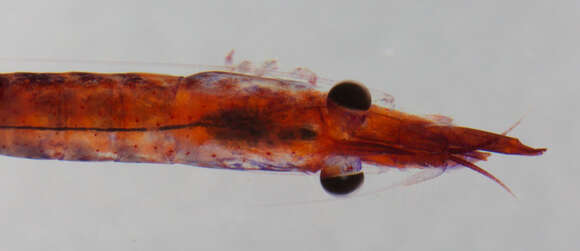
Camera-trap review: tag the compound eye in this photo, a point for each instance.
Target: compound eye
(341, 175)
(342, 185)
(350, 94)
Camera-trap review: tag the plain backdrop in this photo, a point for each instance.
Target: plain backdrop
(484, 63)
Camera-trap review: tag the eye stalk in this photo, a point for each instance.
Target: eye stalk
(347, 106)
(351, 95)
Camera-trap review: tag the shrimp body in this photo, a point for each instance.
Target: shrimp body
(223, 120)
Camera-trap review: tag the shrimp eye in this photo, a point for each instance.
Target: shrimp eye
(341, 175)
(342, 185)
(351, 95)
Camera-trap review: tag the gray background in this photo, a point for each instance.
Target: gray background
(485, 64)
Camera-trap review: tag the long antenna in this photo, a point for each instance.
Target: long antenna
(481, 171)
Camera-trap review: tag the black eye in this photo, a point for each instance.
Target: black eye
(350, 95)
(342, 185)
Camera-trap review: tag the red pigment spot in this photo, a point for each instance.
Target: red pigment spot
(213, 155)
(187, 153)
(135, 146)
(97, 150)
(136, 120)
(95, 135)
(155, 148)
(158, 124)
(268, 153)
(3, 146)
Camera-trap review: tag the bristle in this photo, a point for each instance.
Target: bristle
(512, 127)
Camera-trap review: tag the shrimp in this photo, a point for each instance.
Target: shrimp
(232, 120)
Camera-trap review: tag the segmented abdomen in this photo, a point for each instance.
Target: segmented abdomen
(81, 115)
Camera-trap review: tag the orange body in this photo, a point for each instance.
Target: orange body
(220, 119)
